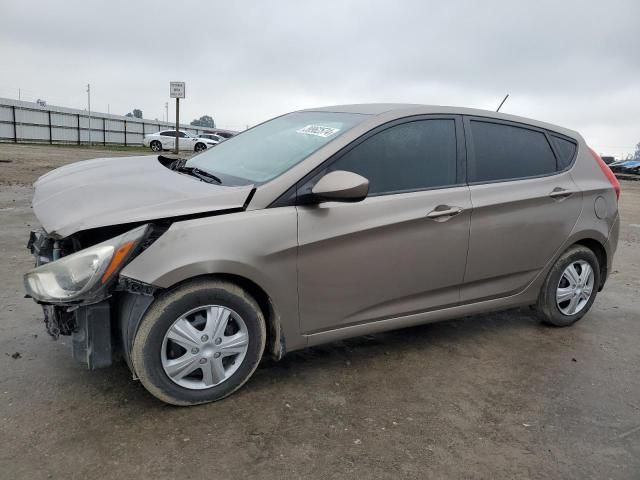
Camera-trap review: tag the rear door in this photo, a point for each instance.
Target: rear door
(525, 205)
(398, 251)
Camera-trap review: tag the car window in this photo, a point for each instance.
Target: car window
(410, 156)
(168, 133)
(504, 152)
(566, 150)
(266, 151)
(182, 134)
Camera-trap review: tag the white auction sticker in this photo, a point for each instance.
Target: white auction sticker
(318, 130)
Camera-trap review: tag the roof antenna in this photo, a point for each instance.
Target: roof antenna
(502, 102)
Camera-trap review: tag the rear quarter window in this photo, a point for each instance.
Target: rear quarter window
(505, 152)
(565, 149)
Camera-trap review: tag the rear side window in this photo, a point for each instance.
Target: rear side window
(566, 150)
(410, 156)
(168, 133)
(505, 152)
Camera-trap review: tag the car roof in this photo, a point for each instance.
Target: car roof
(399, 110)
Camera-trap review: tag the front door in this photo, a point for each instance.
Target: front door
(400, 251)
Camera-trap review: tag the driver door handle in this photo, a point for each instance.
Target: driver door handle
(444, 212)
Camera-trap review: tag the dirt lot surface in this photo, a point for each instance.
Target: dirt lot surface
(494, 396)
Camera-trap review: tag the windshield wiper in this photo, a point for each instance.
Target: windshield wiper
(201, 174)
(204, 175)
(179, 166)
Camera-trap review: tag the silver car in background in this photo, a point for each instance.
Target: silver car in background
(313, 227)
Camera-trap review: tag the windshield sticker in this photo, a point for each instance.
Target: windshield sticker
(318, 130)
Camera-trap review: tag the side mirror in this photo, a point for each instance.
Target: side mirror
(341, 186)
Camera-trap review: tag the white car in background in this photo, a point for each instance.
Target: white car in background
(213, 137)
(165, 140)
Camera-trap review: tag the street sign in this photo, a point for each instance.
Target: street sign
(176, 89)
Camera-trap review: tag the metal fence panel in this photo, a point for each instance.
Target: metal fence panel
(26, 121)
(6, 113)
(64, 135)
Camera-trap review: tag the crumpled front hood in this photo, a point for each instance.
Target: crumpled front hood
(112, 191)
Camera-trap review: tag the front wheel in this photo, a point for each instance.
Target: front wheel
(156, 146)
(199, 342)
(570, 288)
(200, 147)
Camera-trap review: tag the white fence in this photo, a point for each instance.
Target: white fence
(31, 123)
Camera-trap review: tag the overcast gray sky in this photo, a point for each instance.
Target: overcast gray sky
(574, 63)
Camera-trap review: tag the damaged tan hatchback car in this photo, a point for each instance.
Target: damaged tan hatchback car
(313, 227)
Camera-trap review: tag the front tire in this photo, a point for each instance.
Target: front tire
(199, 342)
(200, 147)
(570, 288)
(156, 146)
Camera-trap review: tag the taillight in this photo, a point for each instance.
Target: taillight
(607, 171)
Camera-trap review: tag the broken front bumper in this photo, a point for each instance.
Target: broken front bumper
(98, 330)
(89, 326)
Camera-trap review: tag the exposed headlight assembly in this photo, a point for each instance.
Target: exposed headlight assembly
(84, 275)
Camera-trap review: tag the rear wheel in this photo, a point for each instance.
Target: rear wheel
(199, 342)
(570, 288)
(156, 146)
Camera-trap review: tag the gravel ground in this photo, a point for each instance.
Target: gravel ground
(491, 396)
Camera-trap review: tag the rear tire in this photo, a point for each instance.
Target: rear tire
(151, 350)
(156, 146)
(570, 288)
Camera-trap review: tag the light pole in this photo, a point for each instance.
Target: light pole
(89, 109)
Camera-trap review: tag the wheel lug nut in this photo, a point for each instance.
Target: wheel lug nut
(194, 350)
(204, 338)
(203, 360)
(218, 341)
(216, 355)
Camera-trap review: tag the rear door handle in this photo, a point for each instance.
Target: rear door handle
(444, 212)
(560, 192)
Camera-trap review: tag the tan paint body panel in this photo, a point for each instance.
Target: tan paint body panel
(515, 229)
(381, 257)
(260, 246)
(338, 270)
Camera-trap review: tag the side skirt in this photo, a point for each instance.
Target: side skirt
(528, 297)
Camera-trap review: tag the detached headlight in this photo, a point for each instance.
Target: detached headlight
(81, 275)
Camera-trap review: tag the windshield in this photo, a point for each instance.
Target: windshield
(268, 150)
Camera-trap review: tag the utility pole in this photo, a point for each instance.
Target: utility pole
(166, 107)
(19, 95)
(89, 109)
